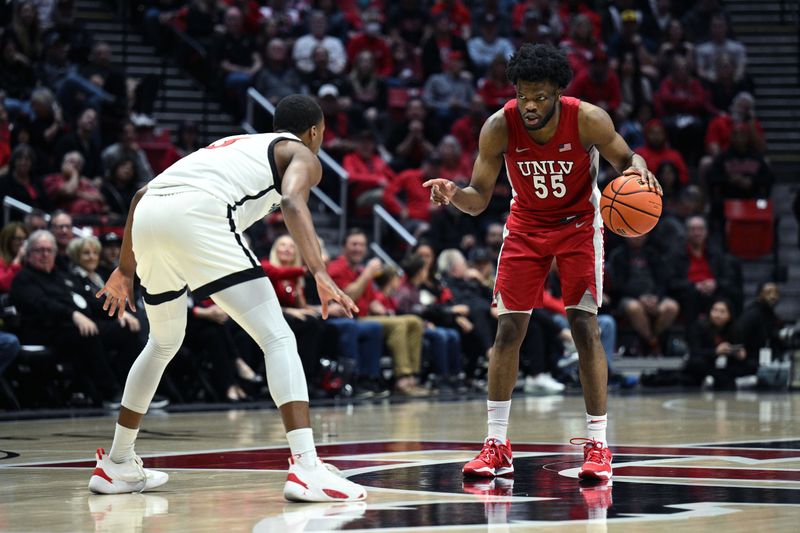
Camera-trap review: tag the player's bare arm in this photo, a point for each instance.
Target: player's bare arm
(302, 172)
(119, 288)
(474, 198)
(597, 130)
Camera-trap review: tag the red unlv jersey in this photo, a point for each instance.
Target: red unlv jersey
(552, 182)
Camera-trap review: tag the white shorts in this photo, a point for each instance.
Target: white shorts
(188, 238)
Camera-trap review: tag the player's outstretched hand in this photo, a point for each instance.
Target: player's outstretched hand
(442, 190)
(328, 291)
(649, 179)
(117, 290)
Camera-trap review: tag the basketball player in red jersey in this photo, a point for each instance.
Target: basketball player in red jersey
(550, 145)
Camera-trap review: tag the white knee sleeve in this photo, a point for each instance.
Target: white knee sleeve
(254, 306)
(167, 329)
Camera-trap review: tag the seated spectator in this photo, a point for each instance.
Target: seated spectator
(438, 45)
(709, 52)
(488, 45)
(742, 111)
(535, 30)
(415, 213)
(543, 12)
(201, 17)
(725, 87)
(373, 41)
(26, 31)
(495, 89)
(17, 77)
(569, 10)
(441, 331)
(340, 21)
(635, 88)
(674, 45)
(336, 138)
(703, 273)
(632, 129)
(36, 219)
(318, 36)
(467, 129)
(452, 228)
(738, 172)
(406, 22)
(46, 127)
(449, 93)
(368, 173)
(120, 186)
(20, 182)
(12, 253)
(102, 71)
(632, 40)
(62, 229)
(456, 166)
(111, 244)
(496, 10)
(287, 18)
(315, 337)
(5, 138)
(716, 357)
(73, 192)
(235, 52)
(86, 140)
(187, 139)
(59, 313)
(403, 333)
(580, 45)
(682, 104)
(657, 151)
(597, 84)
(638, 278)
(758, 327)
(323, 75)
(128, 148)
(73, 31)
(412, 139)
(368, 91)
(278, 77)
(458, 13)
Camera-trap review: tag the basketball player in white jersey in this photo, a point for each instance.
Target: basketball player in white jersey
(184, 231)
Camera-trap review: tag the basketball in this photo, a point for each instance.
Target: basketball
(628, 207)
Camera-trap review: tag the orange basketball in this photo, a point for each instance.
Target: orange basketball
(628, 207)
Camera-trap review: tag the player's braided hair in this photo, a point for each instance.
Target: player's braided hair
(296, 113)
(537, 63)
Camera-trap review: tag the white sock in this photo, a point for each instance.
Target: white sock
(596, 427)
(498, 419)
(301, 443)
(122, 446)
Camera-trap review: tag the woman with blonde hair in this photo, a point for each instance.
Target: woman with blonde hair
(12, 252)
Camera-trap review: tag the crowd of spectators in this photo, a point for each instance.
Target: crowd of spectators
(404, 87)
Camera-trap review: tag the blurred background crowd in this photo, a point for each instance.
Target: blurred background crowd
(404, 87)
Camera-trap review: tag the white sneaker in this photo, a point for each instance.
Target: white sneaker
(543, 382)
(319, 483)
(109, 477)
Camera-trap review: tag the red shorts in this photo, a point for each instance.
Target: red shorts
(525, 259)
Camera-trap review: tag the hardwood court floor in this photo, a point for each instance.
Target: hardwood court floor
(688, 462)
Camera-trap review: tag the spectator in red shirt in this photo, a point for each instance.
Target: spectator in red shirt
(598, 84)
(657, 151)
(369, 173)
(456, 11)
(580, 44)
(572, 9)
(20, 182)
(456, 165)
(718, 135)
(12, 236)
(495, 89)
(403, 333)
(71, 191)
(682, 103)
(337, 124)
(371, 39)
(467, 129)
(437, 47)
(416, 212)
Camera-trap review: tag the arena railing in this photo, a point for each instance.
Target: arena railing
(12, 204)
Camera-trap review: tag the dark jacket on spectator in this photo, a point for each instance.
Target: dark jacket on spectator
(619, 272)
(758, 328)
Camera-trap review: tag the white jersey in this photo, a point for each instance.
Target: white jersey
(239, 170)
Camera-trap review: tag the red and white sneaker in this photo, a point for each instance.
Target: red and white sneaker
(596, 459)
(109, 477)
(319, 483)
(494, 459)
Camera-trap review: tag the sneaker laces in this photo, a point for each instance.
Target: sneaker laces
(593, 449)
(489, 450)
(137, 461)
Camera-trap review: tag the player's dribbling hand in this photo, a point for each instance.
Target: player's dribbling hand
(649, 179)
(117, 290)
(442, 190)
(328, 291)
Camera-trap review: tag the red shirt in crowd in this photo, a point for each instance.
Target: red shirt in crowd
(467, 130)
(699, 269)
(366, 174)
(286, 281)
(655, 158)
(495, 95)
(681, 97)
(410, 183)
(457, 12)
(341, 274)
(75, 205)
(720, 129)
(5, 144)
(608, 91)
(379, 48)
(7, 273)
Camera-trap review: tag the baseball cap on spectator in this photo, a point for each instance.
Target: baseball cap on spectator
(110, 239)
(629, 15)
(328, 89)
